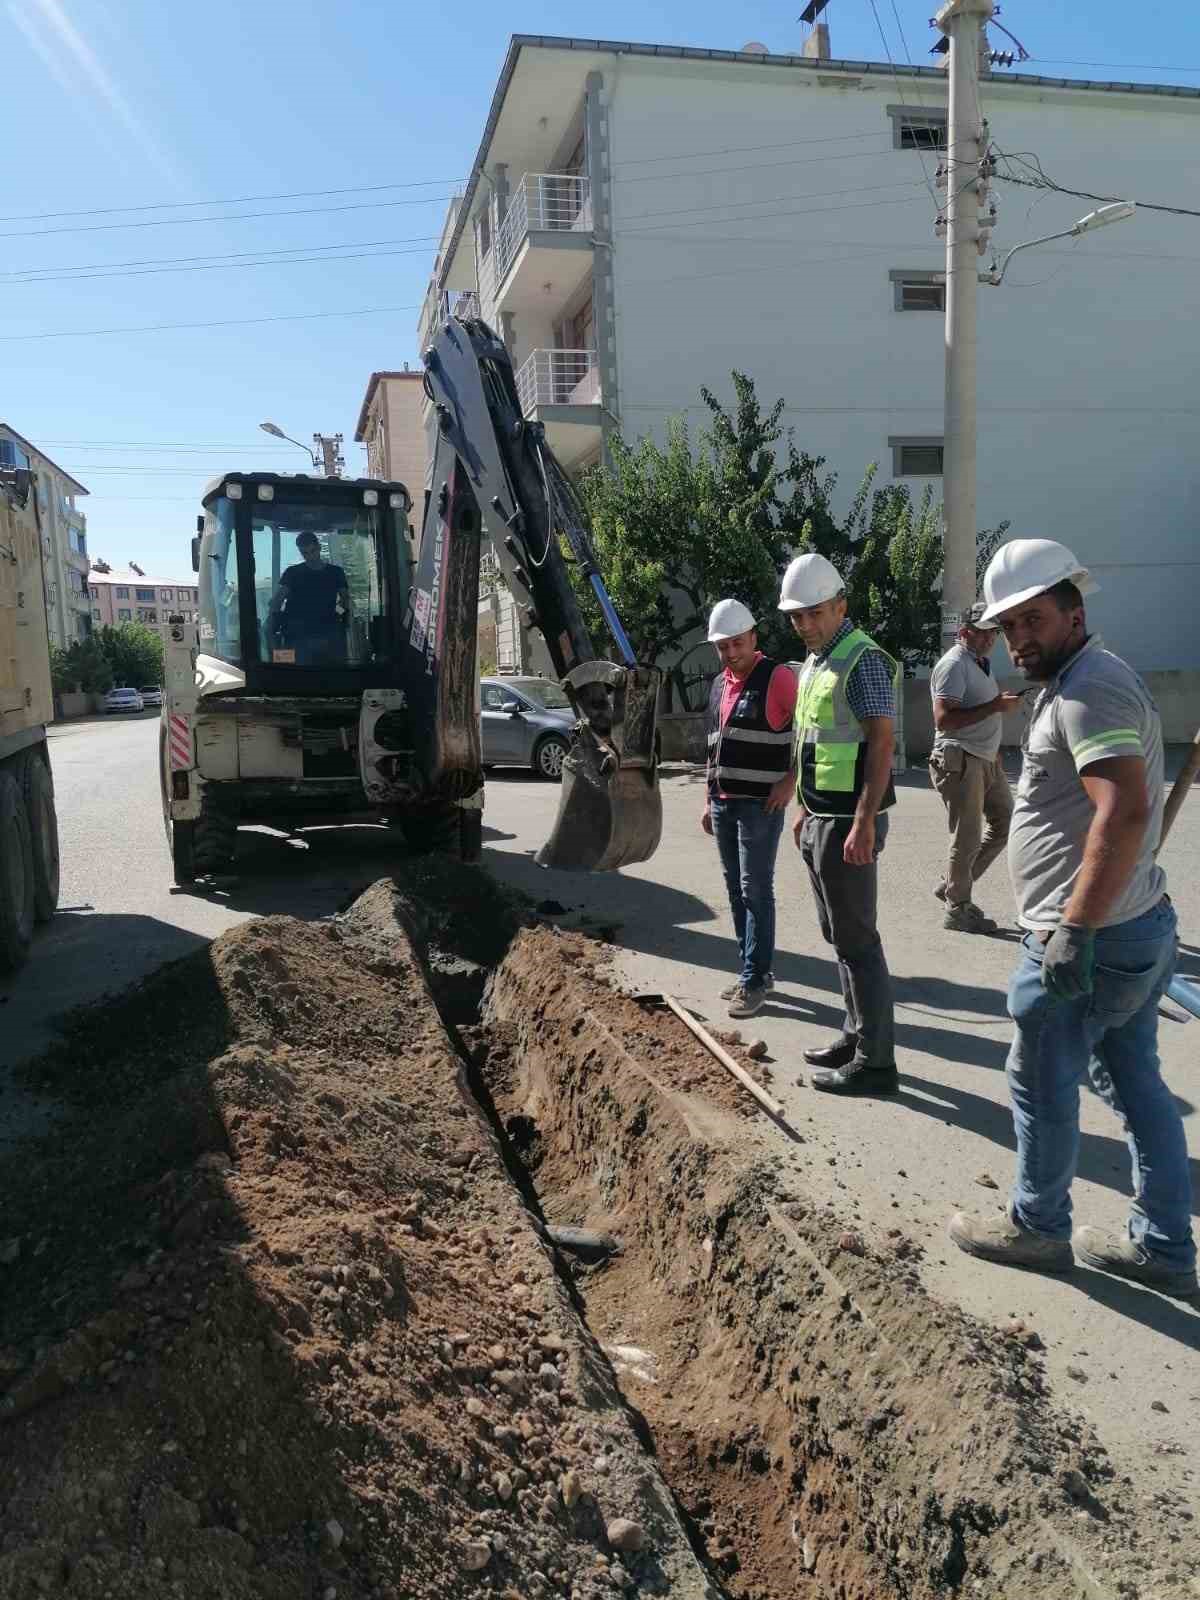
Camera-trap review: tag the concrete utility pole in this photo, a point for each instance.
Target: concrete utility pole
(963, 22)
(330, 446)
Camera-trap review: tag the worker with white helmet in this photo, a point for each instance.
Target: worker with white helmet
(749, 727)
(1100, 944)
(845, 738)
(965, 767)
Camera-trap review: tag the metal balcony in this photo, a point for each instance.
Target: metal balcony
(561, 389)
(542, 251)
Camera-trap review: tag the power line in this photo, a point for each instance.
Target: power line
(746, 149)
(229, 216)
(220, 266)
(226, 322)
(1111, 66)
(227, 255)
(1042, 180)
(933, 194)
(236, 200)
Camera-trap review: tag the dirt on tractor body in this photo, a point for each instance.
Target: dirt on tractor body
(404, 1257)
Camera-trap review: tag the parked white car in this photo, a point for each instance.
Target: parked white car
(151, 697)
(123, 700)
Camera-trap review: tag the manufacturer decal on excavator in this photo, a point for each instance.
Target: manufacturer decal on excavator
(435, 596)
(420, 619)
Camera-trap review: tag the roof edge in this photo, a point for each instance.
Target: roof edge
(37, 451)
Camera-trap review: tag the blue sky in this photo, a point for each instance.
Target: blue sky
(128, 103)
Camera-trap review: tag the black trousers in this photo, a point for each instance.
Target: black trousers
(846, 900)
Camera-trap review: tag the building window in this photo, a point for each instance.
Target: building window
(916, 457)
(93, 591)
(124, 614)
(916, 128)
(122, 592)
(96, 613)
(148, 614)
(143, 594)
(919, 291)
(77, 539)
(164, 594)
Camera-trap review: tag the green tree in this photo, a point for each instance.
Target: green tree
(134, 654)
(81, 666)
(676, 529)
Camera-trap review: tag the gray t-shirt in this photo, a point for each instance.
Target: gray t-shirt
(1096, 708)
(960, 679)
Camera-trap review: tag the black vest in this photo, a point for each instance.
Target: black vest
(747, 755)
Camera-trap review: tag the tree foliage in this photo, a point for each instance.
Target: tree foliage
(81, 666)
(676, 528)
(134, 652)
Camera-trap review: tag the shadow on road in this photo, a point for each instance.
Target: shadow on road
(315, 872)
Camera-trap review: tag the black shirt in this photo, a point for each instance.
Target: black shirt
(311, 594)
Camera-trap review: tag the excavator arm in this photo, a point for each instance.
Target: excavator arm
(492, 466)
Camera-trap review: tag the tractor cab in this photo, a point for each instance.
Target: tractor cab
(304, 582)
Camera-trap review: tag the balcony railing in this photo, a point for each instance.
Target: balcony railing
(543, 202)
(466, 306)
(558, 378)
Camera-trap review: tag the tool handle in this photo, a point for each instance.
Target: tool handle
(726, 1060)
(1179, 791)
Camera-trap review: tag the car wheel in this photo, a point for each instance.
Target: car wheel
(549, 756)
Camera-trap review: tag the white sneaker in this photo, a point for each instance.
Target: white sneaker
(730, 990)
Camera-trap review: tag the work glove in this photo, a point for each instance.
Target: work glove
(1067, 962)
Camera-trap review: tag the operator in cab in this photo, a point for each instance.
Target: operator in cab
(309, 619)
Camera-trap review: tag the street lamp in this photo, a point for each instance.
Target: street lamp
(277, 432)
(1119, 211)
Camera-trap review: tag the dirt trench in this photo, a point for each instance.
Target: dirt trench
(283, 1319)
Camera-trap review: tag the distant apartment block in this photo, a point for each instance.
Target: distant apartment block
(120, 597)
(640, 220)
(64, 538)
(391, 426)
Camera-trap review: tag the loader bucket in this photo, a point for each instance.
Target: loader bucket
(610, 809)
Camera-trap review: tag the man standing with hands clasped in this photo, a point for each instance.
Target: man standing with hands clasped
(749, 728)
(845, 737)
(965, 769)
(1101, 942)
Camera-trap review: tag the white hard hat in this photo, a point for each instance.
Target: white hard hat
(727, 619)
(1025, 568)
(808, 581)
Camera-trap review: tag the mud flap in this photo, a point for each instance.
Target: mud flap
(610, 808)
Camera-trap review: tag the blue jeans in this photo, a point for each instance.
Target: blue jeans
(748, 837)
(1111, 1035)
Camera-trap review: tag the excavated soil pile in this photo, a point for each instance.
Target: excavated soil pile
(276, 1322)
(828, 1427)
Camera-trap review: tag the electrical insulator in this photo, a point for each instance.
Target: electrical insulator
(942, 176)
(939, 226)
(987, 168)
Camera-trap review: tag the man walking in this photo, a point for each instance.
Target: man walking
(750, 708)
(965, 768)
(1101, 942)
(845, 737)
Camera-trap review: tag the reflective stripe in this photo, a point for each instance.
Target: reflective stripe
(751, 736)
(1105, 741)
(829, 735)
(747, 775)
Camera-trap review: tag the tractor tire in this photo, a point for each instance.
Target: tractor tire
(183, 853)
(17, 898)
(214, 843)
(37, 791)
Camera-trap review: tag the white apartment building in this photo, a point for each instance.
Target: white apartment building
(64, 538)
(642, 219)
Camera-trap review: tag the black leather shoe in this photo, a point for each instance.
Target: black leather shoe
(833, 1055)
(857, 1078)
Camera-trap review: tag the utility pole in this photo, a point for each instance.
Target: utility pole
(330, 446)
(964, 23)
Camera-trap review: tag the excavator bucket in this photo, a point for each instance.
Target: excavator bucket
(610, 810)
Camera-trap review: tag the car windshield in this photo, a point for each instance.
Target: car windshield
(546, 693)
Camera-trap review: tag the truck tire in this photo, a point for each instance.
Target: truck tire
(214, 843)
(16, 877)
(37, 791)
